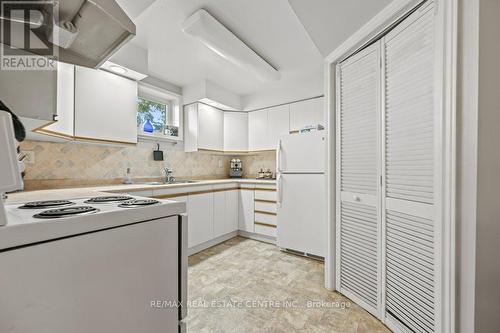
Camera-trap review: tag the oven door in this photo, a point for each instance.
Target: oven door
(123, 280)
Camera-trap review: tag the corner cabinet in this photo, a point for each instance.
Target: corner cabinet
(204, 128)
(105, 107)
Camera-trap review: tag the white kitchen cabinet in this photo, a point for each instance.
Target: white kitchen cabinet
(219, 214)
(257, 130)
(306, 113)
(278, 124)
(235, 131)
(200, 208)
(210, 128)
(232, 210)
(105, 106)
(204, 128)
(246, 210)
(225, 212)
(30, 94)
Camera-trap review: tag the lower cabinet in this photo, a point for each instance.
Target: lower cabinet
(200, 208)
(225, 212)
(246, 210)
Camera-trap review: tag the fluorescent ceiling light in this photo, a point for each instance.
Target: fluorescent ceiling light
(222, 41)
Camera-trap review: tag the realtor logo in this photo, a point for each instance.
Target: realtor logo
(25, 30)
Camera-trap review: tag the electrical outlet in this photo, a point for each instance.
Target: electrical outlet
(30, 157)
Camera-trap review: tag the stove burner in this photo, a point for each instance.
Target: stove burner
(106, 199)
(66, 212)
(46, 204)
(138, 203)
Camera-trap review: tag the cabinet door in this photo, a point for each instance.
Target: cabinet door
(65, 101)
(105, 106)
(246, 210)
(235, 131)
(278, 124)
(232, 208)
(306, 113)
(30, 94)
(220, 214)
(210, 128)
(257, 130)
(200, 218)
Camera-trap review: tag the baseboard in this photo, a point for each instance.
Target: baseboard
(257, 237)
(210, 243)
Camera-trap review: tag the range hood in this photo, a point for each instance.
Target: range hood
(83, 32)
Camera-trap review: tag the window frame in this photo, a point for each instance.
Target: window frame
(174, 104)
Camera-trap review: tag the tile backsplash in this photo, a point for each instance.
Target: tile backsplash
(70, 164)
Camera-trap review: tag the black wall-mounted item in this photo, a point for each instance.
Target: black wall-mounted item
(158, 154)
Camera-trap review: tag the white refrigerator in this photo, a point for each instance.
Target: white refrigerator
(301, 183)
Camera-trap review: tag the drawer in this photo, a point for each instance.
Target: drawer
(265, 195)
(265, 206)
(265, 218)
(265, 230)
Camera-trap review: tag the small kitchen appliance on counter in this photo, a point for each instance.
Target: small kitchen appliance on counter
(235, 168)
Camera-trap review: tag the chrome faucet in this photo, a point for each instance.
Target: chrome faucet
(168, 176)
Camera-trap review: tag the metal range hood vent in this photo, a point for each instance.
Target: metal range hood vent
(83, 32)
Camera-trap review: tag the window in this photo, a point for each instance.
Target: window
(158, 114)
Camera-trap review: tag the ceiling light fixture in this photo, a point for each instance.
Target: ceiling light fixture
(222, 41)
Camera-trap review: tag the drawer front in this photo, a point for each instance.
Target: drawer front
(265, 230)
(265, 218)
(265, 206)
(265, 195)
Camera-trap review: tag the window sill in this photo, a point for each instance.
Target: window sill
(156, 138)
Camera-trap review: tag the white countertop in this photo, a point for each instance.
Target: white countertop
(82, 192)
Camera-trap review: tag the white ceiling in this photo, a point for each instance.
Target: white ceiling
(270, 27)
(330, 22)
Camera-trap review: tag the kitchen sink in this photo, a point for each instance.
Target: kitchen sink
(169, 183)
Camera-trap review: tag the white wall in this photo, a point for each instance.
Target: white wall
(478, 215)
(488, 168)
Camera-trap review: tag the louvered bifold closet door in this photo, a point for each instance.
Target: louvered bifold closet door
(410, 167)
(358, 205)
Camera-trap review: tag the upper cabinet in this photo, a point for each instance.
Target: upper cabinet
(204, 129)
(208, 128)
(235, 131)
(30, 94)
(94, 105)
(257, 130)
(266, 126)
(105, 106)
(278, 124)
(306, 113)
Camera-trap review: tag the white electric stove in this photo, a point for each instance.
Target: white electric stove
(96, 264)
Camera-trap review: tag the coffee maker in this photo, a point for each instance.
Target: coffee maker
(235, 168)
